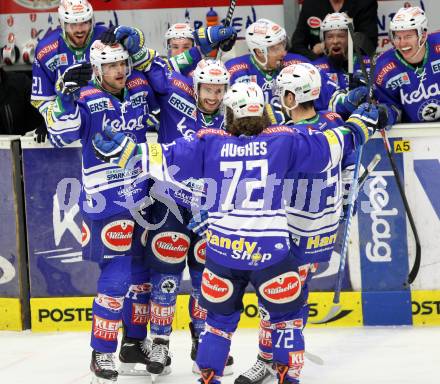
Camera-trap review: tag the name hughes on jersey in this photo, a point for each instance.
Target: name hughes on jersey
(251, 149)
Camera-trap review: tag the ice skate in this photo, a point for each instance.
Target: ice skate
(103, 368)
(133, 357)
(260, 373)
(159, 361)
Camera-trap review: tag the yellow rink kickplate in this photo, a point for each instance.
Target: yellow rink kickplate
(10, 314)
(425, 307)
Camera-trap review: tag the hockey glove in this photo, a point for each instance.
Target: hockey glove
(386, 117)
(108, 37)
(363, 123)
(354, 98)
(40, 133)
(210, 38)
(227, 45)
(74, 78)
(357, 80)
(131, 38)
(114, 147)
(199, 223)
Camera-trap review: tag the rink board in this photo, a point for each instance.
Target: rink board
(10, 314)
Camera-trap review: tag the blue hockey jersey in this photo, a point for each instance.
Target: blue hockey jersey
(179, 116)
(52, 57)
(413, 91)
(245, 69)
(248, 226)
(314, 200)
(106, 189)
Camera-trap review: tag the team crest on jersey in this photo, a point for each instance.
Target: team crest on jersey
(281, 289)
(118, 235)
(57, 61)
(118, 125)
(214, 288)
(421, 93)
(333, 77)
(168, 285)
(429, 110)
(170, 247)
(397, 81)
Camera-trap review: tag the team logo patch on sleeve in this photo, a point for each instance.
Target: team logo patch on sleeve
(170, 247)
(281, 289)
(216, 289)
(118, 235)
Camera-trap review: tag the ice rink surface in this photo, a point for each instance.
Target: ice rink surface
(379, 355)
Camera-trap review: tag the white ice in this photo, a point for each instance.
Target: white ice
(379, 355)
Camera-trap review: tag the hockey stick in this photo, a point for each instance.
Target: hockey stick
(415, 269)
(354, 190)
(227, 23)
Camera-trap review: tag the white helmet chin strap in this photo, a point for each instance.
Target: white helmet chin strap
(420, 44)
(286, 107)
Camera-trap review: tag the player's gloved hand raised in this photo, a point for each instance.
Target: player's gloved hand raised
(74, 78)
(199, 223)
(354, 98)
(386, 118)
(209, 38)
(132, 39)
(108, 37)
(357, 80)
(227, 45)
(363, 122)
(114, 147)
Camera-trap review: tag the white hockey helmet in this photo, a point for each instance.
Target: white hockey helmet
(104, 54)
(209, 71)
(264, 34)
(409, 18)
(74, 11)
(302, 79)
(333, 21)
(179, 31)
(245, 100)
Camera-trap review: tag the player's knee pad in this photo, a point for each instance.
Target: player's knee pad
(108, 238)
(168, 246)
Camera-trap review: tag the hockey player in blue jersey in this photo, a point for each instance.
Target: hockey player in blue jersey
(315, 202)
(407, 76)
(334, 62)
(267, 42)
(120, 98)
(248, 236)
(179, 38)
(67, 45)
(186, 104)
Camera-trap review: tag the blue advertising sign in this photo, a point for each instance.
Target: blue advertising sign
(10, 262)
(382, 224)
(51, 177)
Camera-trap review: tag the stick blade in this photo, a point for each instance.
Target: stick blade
(334, 310)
